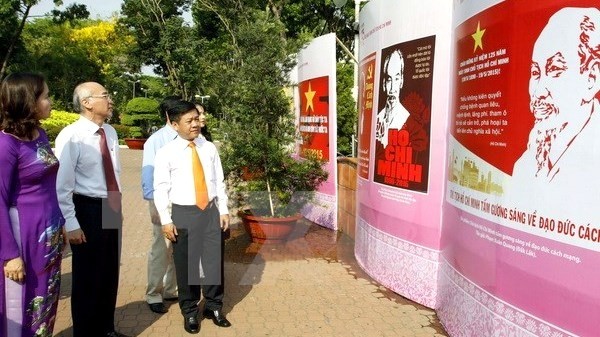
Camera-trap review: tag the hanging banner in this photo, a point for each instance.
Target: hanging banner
(521, 230)
(403, 97)
(316, 110)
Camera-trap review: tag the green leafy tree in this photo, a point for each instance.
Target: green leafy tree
(247, 69)
(14, 15)
(154, 86)
(68, 54)
(163, 41)
(346, 108)
(72, 13)
(218, 22)
(316, 17)
(52, 51)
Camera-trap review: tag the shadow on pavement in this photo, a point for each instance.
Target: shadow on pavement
(243, 267)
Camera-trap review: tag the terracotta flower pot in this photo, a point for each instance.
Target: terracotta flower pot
(247, 175)
(135, 143)
(268, 229)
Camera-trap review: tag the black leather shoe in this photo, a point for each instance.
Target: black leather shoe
(158, 308)
(191, 324)
(217, 317)
(115, 334)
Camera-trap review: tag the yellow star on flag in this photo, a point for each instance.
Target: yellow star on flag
(310, 94)
(478, 37)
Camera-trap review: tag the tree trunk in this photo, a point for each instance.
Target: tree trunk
(13, 41)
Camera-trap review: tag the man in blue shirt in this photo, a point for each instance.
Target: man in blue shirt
(162, 283)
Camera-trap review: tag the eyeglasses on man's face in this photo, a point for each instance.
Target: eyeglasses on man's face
(104, 96)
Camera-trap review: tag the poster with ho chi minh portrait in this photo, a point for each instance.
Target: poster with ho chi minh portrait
(520, 220)
(402, 123)
(404, 66)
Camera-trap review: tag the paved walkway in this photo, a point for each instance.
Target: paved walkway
(309, 286)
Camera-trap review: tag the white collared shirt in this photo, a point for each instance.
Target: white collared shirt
(174, 180)
(81, 170)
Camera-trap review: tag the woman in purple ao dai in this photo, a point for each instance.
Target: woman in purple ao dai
(31, 223)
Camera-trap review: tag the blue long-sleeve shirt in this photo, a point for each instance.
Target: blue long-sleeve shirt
(155, 142)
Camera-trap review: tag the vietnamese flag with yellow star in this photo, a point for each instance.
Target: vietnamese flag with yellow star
(481, 114)
(314, 118)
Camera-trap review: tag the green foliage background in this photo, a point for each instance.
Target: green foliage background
(57, 121)
(213, 55)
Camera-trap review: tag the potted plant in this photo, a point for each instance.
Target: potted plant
(260, 134)
(140, 115)
(280, 185)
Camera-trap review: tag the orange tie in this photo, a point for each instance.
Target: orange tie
(199, 180)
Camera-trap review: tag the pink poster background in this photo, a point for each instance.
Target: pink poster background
(317, 67)
(542, 286)
(519, 257)
(398, 228)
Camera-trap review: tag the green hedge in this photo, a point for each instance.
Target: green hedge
(57, 121)
(122, 130)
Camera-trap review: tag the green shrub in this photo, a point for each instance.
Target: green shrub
(140, 115)
(123, 131)
(57, 121)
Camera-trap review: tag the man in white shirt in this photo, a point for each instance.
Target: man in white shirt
(162, 283)
(197, 220)
(88, 191)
